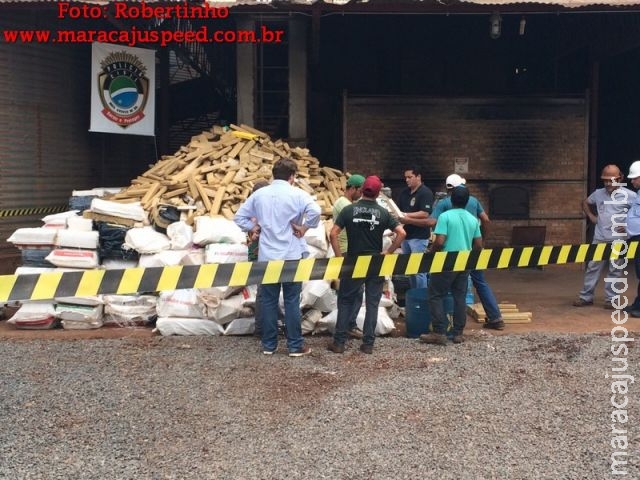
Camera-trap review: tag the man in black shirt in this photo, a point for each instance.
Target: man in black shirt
(415, 202)
(365, 222)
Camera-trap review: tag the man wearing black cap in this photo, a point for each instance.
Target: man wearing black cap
(457, 230)
(365, 222)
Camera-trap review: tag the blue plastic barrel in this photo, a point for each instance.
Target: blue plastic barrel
(417, 318)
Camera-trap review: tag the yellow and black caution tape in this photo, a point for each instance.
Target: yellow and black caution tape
(31, 211)
(133, 280)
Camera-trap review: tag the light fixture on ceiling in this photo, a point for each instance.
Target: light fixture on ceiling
(523, 25)
(496, 25)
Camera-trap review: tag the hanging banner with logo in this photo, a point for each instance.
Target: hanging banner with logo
(122, 89)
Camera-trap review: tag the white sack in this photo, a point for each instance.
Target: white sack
(315, 252)
(181, 303)
(317, 237)
(129, 310)
(187, 326)
(81, 324)
(79, 223)
(118, 264)
(165, 258)
(77, 239)
(132, 211)
(194, 256)
(319, 295)
(180, 235)
(309, 321)
(58, 220)
(35, 316)
(33, 236)
(241, 326)
(62, 257)
(146, 240)
(90, 301)
(249, 294)
(226, 253)
(217, 230)
(384, 325)
(228, 309)
(80, 313)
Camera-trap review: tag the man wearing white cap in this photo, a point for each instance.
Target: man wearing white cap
(487, 298)
(633, 231)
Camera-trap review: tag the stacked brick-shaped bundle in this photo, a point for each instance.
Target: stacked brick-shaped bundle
(216, 171)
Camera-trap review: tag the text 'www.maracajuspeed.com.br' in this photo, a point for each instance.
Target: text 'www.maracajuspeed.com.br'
(135, 36)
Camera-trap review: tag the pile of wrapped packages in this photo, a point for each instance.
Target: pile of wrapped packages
(107, 229)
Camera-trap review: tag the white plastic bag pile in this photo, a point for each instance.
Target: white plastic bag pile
(214, 311)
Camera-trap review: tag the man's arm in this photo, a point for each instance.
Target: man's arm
(477, 244)
(397, 241)
(438, 243)
(245, 217)
(418, 219)
(586, 208)
(484, 223)
(333, 239)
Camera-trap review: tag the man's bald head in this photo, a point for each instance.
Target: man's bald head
(610, 171)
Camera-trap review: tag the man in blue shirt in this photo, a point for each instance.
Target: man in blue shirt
(282, 214)
(487, 298)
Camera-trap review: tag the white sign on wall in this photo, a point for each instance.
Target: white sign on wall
(461, 165)
(122, 89)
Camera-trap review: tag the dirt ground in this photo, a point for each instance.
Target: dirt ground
(547, 293)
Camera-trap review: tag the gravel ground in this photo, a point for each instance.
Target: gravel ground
(510, 407)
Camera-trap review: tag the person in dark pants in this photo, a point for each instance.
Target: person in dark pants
(633, 231)
(365, 222)
(485, 293)
(456, 230)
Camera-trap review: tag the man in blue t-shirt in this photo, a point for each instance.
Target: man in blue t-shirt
(457, 230)
(487, 298)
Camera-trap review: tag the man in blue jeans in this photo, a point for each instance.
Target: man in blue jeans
(415, 203)
(457, 230)
(487, 298)
(282, 214)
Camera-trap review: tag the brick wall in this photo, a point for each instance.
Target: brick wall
(536, 143)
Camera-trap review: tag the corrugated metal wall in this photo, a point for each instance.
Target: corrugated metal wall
(46, 151)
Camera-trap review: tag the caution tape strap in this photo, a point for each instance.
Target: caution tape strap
(31, 211)
(134, 280)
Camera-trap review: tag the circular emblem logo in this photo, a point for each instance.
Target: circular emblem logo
(124, 88)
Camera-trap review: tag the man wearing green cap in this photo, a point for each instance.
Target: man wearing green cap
(352, 193)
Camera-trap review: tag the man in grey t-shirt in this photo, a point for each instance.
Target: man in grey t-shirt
(611, 205)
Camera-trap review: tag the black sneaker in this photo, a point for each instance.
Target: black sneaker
(495, 325)
(368, 349)
(458, 339)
